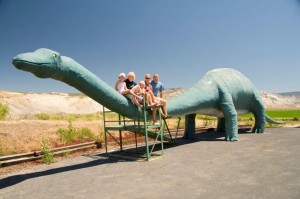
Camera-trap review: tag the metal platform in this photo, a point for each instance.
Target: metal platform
(117, 124)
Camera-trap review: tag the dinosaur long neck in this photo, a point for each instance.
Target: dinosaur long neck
(201, 98)
(198, 99)
(79, 77)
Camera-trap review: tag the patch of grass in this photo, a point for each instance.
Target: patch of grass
(72, 134)
(42, 116)
(4, 151)
(66, 154)
(4, 110)
(7, 148)
(284, 113)
(278, 113)
(289, 116)
(67, 117)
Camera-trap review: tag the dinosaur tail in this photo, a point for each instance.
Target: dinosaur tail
(272, 121)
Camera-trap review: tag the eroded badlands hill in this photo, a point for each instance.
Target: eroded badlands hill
(32, 103)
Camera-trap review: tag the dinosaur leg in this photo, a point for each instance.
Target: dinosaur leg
(230, 114)
(190, 125)
(260, 118)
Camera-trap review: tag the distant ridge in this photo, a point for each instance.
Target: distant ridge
(28, 103)
(296, 94)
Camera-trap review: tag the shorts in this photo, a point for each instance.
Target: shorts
(129, 95)
(139, 98)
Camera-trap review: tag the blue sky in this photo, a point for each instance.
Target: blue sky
(180, 40)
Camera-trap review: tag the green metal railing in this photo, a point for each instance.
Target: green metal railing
(139, 125)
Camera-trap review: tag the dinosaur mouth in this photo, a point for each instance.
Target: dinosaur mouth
(27, 65)
(32, 67)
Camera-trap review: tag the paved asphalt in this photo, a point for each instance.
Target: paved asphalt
(257, 166)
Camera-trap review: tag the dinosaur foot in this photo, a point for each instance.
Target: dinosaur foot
(233, 139)
(257, 129)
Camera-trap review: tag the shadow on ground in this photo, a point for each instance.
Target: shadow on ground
(99, 159)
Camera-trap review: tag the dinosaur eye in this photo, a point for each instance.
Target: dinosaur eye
(54, 55)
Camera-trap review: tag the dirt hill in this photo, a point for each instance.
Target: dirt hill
(32, 103)
(21, 104)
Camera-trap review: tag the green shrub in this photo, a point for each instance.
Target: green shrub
(72, 134)
(4, 110)
(47, 156)
(85, 133)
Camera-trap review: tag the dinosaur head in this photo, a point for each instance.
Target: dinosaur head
(43, 62)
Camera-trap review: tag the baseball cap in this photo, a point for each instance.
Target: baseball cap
(122, 74)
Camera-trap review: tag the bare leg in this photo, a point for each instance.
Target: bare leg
(152, 96)
(164, 104)
(154, 111)
(135, 101)
(149, 100)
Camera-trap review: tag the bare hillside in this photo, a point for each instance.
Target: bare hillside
(32, 103)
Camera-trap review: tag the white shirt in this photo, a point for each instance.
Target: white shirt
(121, 87)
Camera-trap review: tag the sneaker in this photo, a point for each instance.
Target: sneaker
(156, 124)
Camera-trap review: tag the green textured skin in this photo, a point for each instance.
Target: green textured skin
(223, 92)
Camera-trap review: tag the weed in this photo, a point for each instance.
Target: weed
(47, 156)
(72, 134)
(4, 110)
(85, 133)
(66, 154)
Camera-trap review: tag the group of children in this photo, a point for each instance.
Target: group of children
(135, 92)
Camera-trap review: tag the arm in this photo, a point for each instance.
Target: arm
(161, 89)
(116, 85)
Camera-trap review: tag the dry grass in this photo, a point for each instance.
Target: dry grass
(26, 135)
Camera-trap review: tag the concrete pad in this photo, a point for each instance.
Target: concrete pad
(257, 166)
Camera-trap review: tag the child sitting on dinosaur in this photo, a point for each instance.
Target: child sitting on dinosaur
(120, 86)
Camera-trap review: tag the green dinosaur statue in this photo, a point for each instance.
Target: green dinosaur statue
(223, 93)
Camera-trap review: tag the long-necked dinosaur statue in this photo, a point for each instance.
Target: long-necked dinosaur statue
(223, 92)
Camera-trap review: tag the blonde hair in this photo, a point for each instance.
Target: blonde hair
(142, 82)
(131, 74)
